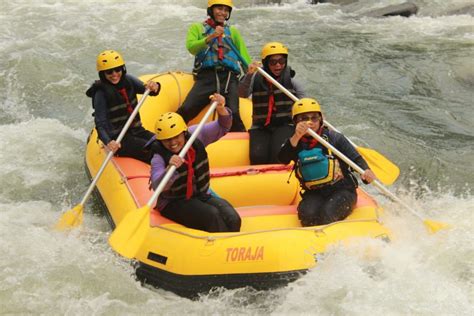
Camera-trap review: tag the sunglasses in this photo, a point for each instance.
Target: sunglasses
(111, 71)
(273, 62)
(306, 118)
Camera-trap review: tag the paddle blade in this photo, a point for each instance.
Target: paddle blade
(71, 218)
(129, 235)
(385, 170)
(434, 227)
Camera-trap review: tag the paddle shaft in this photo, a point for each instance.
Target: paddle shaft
(280, 87)
(354, 166)
(294, 98)
(118, 140)
(181, 154)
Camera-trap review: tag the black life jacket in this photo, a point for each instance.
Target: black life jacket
(281, 115)
(201, 172)
(119, 109)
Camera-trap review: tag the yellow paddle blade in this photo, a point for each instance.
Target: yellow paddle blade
(385, 170)
(129, 235)
(71, 218)
(433, 226)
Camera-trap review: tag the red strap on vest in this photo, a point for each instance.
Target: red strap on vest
(310, 141)
(271, 103)
(190, 157)
(123, 92)
(220, 50)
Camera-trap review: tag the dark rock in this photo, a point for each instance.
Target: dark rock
(405, 9)
(338, 2)
(464, 10)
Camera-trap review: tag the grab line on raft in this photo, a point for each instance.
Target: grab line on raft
(239, 234)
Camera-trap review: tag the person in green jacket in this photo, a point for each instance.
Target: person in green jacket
(219, 53)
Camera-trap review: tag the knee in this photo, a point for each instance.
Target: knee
(306, 215)
(231, 218)
(213, 222)
(234, 223)
(212, 214)
(332, 213)
(307, 221)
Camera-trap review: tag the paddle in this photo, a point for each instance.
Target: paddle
(383, 168)
(73, 217)
(131, 232)
(432, 226)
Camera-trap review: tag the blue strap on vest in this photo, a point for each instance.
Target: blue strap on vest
(209, 59)
(235, 50)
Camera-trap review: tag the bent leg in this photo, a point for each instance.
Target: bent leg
(228, 214)
(259, 140)
(194, 213)
(232, 101)
(198, 97)
(337, 206)
(279, 137)
(308, 208)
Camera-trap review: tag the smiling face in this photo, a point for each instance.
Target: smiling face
(276, 64)
(113, 75)
(174, 144)
(220, 13)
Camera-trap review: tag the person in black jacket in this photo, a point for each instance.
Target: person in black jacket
(328, 185)
(114, 97)
(271, 114)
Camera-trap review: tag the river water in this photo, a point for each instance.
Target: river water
(402, 86)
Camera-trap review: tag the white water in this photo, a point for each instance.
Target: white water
(404, 86)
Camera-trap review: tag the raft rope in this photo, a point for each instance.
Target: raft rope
(172, 74)
(249, 171)
(239, 234)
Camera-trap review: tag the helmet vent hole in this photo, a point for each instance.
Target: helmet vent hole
(173, 125)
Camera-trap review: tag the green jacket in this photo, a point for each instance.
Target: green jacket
(196, 40)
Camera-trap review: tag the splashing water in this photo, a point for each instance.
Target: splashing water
(402, 86)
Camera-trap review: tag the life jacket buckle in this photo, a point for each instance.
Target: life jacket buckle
(252, 171)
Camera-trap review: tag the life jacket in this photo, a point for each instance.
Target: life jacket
(209, 58)
(200, 181)
(276, 112)
(120, 103)
(317, 167)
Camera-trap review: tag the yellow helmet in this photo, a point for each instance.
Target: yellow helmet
(228, 3)
(109, 59)
(274, 48)
(305, 105)
(169, 125)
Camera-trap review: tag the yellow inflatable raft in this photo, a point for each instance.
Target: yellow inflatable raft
(272, 248)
